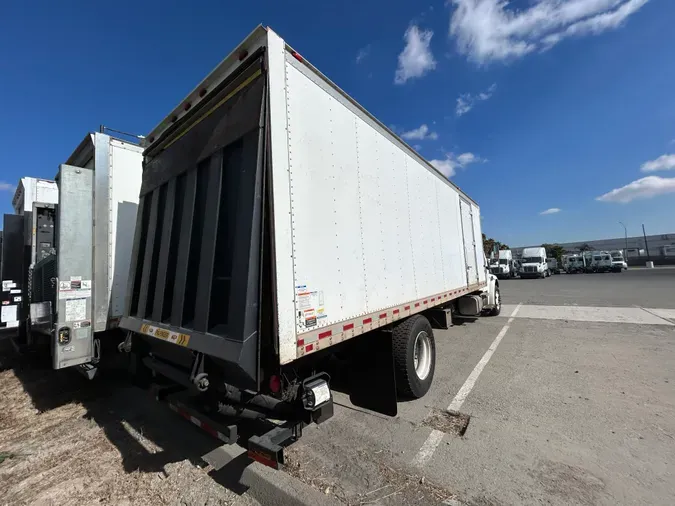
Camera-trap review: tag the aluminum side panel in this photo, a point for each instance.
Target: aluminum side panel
(324, 172)
(101, 230)
(468, 235)
(75, 270)
(452, 248)
(478, 241)
(281, 198)
(355, 194)
(125, 185)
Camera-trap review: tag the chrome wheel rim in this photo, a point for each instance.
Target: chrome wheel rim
(498, 299)
(422, 355)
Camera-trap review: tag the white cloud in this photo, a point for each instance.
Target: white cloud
(487, 30)
(418, 134)
(644, 188)
(6, 186)
(466, 101)
(663, 162)
(449, 165)
(552, 210)
(445, 167)
(363, 53)
(416, 59)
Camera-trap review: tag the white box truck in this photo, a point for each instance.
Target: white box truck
(534, 264)
(78, 288)
(23, 229)
(281, 224)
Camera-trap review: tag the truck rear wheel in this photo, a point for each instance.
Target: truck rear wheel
(414, 356)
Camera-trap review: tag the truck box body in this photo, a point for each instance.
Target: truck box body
(11, 272)
(276, 214)
(95, 220)
(30, 235)
(31, 190)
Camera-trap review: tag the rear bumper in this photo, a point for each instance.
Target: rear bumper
(241, 356)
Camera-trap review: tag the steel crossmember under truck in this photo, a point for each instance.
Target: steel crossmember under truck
(283, 232)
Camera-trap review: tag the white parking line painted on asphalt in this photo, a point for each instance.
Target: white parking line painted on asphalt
(668, 314)
(468, 385)
(429, 447)
(636, 315)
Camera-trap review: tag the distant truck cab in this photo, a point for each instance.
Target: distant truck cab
(618, 262)
(505, 266)
(534, 263)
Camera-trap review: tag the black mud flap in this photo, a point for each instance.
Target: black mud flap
(372, 380)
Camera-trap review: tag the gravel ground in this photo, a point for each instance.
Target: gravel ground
(67, 441)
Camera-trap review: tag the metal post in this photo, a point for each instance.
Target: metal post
(625, 234)
(646, 245)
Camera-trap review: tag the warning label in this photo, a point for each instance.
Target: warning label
(310, 306)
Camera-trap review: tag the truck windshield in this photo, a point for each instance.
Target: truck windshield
(533, 260)
(503, 261)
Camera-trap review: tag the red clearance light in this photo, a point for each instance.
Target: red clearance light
(297, 57)
(174, 119)
(275, 384)
(243, 55)
(187, 106)
(202, 92)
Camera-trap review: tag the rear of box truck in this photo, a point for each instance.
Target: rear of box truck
(278, 222)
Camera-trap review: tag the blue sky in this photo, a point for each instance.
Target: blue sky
(532, 106)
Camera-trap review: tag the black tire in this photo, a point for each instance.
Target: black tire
(498, 308)
(408, 383)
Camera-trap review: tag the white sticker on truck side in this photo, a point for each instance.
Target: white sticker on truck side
(310, 306)
(76, 309)
(8, 314)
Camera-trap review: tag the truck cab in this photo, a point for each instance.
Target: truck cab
(618, 262)
(534, 263)
(505, 267)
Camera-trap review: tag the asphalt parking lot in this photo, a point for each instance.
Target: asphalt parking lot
(570, 397)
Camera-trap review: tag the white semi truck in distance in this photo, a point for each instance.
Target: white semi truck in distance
(504, 267)
(533, 263)
(281, 224)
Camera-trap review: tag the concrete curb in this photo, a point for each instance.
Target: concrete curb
(236, 471)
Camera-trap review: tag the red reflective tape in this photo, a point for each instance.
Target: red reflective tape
(328, 333)
(210, 430)
(383, 315)
(301, 342)
(184, 414)
(417, 304)
(407, 308)
(396, 311)
(367, 320)
(263, 459)
(349, 326)
(309, 347)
